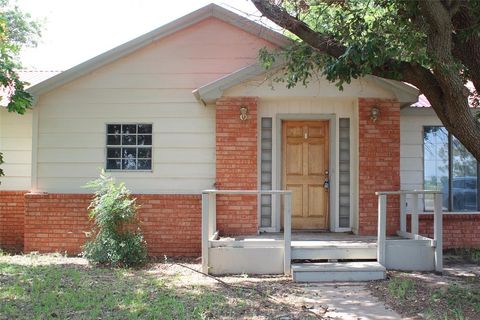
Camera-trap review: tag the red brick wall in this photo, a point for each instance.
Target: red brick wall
(236, 165)
(58, 222)
(11, 220)
(459, 230)
(171, 224)
(379, 163)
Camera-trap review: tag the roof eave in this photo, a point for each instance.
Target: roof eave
(405, 94)
(214, 90)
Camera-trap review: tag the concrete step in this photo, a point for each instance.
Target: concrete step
(339, 271)
(345, 251)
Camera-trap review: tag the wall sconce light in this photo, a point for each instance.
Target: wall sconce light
(374, 113)
(243, 113)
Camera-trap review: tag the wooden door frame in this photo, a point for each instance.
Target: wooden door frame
(278, 154)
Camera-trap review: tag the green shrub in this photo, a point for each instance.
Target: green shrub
(1, 161)
(116, 238)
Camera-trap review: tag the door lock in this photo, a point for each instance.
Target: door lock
(326, 183)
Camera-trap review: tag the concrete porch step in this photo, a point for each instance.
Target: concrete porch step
(302, 250)
(338, 271)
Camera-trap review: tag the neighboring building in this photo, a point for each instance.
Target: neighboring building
(163, 114)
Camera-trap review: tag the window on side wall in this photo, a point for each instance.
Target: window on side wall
(129, 147)
(450, 168)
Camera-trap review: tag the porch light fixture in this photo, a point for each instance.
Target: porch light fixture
(243, 113)
(374, 113)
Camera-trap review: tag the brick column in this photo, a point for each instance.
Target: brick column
(236, 165)
(379, 163)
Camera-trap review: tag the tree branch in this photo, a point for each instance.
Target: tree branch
(321, 42)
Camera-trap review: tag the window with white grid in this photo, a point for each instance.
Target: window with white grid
(129, 147)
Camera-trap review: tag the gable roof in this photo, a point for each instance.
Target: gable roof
(405, 93)
(33, 77)
(211, 10)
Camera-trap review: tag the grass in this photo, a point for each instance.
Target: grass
(401, 288)
(459, 299)
(39, 286)
(469, 255)
(56, 291)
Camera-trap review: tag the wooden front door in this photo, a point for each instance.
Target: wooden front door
(305, 169)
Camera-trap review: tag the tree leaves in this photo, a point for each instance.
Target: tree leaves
(372, 32)
(17, 30)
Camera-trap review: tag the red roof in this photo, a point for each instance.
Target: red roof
(423, 102)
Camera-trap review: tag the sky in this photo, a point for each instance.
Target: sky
(77, 30)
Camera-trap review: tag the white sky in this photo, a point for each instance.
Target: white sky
(77, 30)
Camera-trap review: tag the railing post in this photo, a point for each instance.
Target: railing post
(437, 231)
(414, 216)
(205, 234)
(287, 232)
(382, 226)
(212, 213)
(403, 212)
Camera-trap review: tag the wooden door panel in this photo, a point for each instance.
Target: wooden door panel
(305, 160)
(315, 132)
(294, 132)
(316, 199)
(294, 159)
(297, 199)
(316, 166)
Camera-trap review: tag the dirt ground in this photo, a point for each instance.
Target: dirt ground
(417, 295)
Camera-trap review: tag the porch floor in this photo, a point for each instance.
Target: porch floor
(306, 239)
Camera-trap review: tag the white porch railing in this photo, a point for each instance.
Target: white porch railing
(436, 242)
(209, 221)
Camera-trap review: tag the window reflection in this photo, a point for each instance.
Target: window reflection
(450, 168)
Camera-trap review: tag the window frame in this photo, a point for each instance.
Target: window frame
(106, 134)
(450, 172)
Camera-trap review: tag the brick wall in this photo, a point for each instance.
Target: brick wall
(11, 220)
(58, 222)
(459, 230)
(379, 163)
(236, 165)
(171, 224)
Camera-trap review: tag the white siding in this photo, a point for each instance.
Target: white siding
(412, 122)
(153, 85)
(16, 146)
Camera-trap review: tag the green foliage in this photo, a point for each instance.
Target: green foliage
(1, 161)
(372, 32)
(116, 238)
(17, 30)
(469, 255)
(401, 288)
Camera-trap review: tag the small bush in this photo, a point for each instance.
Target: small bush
(116, 238)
